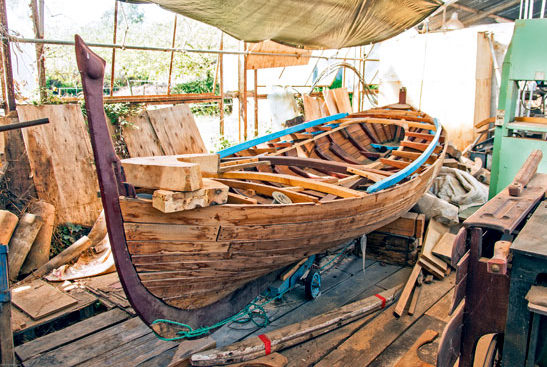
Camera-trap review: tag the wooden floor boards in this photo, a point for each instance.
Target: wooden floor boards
(116, 337)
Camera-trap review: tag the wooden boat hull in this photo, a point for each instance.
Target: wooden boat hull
(200, 266)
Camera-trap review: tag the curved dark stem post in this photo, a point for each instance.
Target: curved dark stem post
(112, 185)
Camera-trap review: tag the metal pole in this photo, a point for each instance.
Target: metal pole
(256, 102)
(6, 57)
(114, 50)
(168, 49)
(221, 72)
(172, 55)
(245, 93)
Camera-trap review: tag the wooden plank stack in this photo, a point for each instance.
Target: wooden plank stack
(434, 259)
(177, 180)
(398, 242)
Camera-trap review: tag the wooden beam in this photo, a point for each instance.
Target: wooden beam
(497, 18)
(240, 199)
(371, 176)
(487, 12)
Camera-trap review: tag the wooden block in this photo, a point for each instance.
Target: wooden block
(405, 225)
(212, 193)
(407, 290)
(450, 162)
(430, 267)
(8, 222)
(21, 241)
(435, 230)
(443, 248)
(452, 151)
(39, 252)
(166, 173)
(39, 299)
(240, 199)
(207, 162)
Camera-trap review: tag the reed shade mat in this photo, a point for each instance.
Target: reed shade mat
(306, 23)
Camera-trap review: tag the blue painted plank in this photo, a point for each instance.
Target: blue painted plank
(263, 139)
(411, 168)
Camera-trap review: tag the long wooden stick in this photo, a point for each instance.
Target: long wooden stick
(295, 333)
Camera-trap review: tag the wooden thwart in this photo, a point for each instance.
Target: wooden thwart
(294, 181)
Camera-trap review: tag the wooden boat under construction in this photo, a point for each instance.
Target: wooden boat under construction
(344, 176)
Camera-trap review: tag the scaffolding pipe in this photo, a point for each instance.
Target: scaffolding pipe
(170, 49)
(115, 34)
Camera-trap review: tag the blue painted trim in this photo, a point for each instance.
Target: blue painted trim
(411, 168)
(263, 139)
(380, 146)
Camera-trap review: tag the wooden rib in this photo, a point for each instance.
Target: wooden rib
(342, 154)
(238, 161)
(394, 163)
(237, 167)
(372, 136)
(294, 181)
(240, 199)
(419, 146)
(412, 155)
(362, 150)
(268, 190)
(414, 134)
(371, 176)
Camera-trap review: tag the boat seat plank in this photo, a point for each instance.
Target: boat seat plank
(268, 190)
(394, 163)
(294, 181)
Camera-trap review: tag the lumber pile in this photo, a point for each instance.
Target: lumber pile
(435, 261)
(177, 181)
(398, 242)
(28, 238)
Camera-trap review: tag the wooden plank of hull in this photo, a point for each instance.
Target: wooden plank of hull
(166, 232)
(140, 211)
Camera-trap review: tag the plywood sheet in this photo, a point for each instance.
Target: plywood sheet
(140, 137)
(61, 159)
(263, 62)
(176, 130)
(39, 299)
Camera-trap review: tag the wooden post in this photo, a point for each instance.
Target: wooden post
(7, 355)
(172, 55)
(39, 252)
(221, 76)
(256, 102)
(115, 34)
(8, 222)
(6, 59)
(21, 241)
(38, 22)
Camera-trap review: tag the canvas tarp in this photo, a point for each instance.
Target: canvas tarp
(328, 24)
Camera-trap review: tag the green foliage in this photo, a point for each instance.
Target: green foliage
(204, 85)
(118, 112)
(64, 236)
(222, 143)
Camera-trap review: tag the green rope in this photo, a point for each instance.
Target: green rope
(249, 314)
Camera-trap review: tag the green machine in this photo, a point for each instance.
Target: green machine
(520, 119)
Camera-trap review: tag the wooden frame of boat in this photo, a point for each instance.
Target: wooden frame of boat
(203, 265)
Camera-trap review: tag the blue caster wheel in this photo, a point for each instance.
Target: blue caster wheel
(313, 284)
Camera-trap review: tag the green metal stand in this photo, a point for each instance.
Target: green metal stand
(526, 60)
